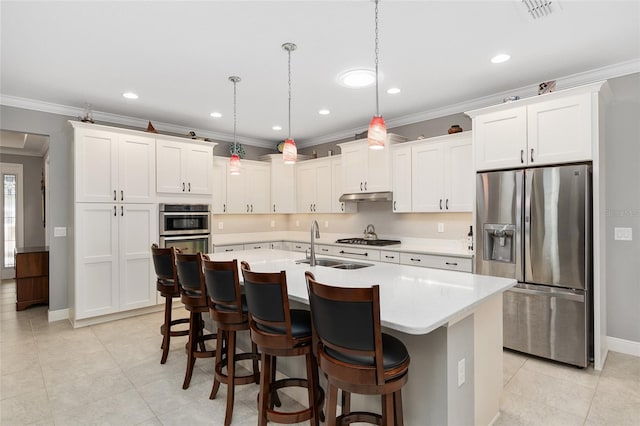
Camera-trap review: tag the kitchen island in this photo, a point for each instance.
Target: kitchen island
(451, 323)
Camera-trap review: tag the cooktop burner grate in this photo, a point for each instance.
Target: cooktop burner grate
(364, 242)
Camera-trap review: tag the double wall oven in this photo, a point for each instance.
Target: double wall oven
(186, 227)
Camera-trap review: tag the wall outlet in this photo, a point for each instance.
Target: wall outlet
(623, 234)
(440, 227)
(59, 231)
(461, 372)
(297, 223)
(326, 223)
(273, 223)
(220, 225)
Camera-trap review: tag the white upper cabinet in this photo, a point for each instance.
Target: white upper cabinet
(427, 177)
(338, 206)
(184, 168)
(113, 167)
(314, 189)
(249, 192)
(283, 185)
(219, 188)
(401, 170)
(550, 129)
(364, 169)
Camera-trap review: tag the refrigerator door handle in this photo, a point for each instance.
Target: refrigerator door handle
(518, 219)
(528, 185)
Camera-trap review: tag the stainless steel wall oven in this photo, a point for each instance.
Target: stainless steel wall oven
(185, 226)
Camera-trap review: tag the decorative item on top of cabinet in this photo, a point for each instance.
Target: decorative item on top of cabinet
(32, 276)
(455, 128)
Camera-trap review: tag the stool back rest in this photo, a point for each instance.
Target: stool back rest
(164, 262)
(268, 304)
(223, 284)
(190, 276)
(347, 320)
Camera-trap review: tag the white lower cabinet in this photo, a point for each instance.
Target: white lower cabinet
(257, 246)
(228, 247)
(356, 253)
(462, 264)
(389, 256)
(113, 264)
(303, 247)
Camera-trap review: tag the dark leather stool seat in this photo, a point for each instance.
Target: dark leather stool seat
(164, 262)
(195, 300)
(357, 358)
(278, 330)
(228, 308)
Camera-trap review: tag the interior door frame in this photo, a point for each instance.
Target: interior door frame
(17, 169)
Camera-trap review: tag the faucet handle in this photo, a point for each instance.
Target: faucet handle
(306, 254)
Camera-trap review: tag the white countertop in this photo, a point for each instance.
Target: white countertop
(413, 300)
(410, 245)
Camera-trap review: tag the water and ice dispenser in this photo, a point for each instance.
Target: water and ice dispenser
(499, 242)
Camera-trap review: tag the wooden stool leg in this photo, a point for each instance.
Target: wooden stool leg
(312, 384)
(387, 410)
(201, 333)
(218, 359)
(231, 372)
(397, 408)
(346, 402)
(332, 404)
(265, 382)
(166, 331)
(194, 324)
(256, 369)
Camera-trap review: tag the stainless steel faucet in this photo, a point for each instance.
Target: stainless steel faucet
(314, 235)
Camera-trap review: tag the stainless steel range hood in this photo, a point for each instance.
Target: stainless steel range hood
(367, 196)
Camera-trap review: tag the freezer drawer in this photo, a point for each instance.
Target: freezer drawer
(548, 322)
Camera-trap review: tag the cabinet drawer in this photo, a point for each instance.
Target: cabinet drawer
(300, 247)
(439, 262)
(257, 246)
(389, 256)
(230, 247)
(357, 253)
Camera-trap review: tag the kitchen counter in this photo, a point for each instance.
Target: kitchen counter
(449, 321)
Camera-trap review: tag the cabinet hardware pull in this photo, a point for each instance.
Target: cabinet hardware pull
(228, 249)
(358, 254)
(451, 263)
(314, 207)
(394, 206)
(256, 247)
(298, 247)
(251, 208)
(224, 208)
(446, 204)
(415, 260)
(341, 206)
(360, 186)
(114, 211)
(274, 208)
(440, 203)
(532, 155)
(365, 186)
(121, 195)
(522, 156)
(182, 186)
(324, 249)
(247, 208)
(390, 257)
(121, 210)
(189, 186)
(114, 195)
(310, 207)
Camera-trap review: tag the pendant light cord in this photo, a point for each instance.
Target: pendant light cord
(377, 51)
(289, 50)
(235, 145)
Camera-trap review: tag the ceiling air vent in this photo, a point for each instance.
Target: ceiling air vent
(540, 8)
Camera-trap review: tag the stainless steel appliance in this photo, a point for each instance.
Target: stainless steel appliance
(185, 226)
(534, 225)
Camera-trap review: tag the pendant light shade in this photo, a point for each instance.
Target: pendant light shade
(290, 151)
(234, 161)
(377, 134)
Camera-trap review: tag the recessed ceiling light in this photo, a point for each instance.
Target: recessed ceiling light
(502, 57)
(357, 78)
(393, 91)
(277, 127)
(215, 115)
(130, 95)
(324, 112)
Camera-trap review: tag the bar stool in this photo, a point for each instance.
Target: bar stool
(280, 331)
(228, 308)
(354, 354)
(164, 262)
(194, 298)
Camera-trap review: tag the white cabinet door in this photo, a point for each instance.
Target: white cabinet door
(338, 206)
(324, 191)
(355, 160)
(198, 169)
(378, 176)
(169, 164)
(459, 176)
(306, 186)
(500, 139)
(136, 169)
(138, 226)
(559, 131)
(427, 181)
(236, 197)
(96, 166)
(401, 171)
(219, 185)
(283, 187)
(258, 187)
(96, 290)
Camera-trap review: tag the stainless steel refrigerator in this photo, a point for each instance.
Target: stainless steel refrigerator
(534, 225)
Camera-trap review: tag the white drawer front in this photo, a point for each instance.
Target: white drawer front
(300, 247)
(322, 249)
(389, 256)
(230, 247)
(257, 246)
(439, 262)
(357, 253)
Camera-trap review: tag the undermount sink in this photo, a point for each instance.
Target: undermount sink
(337, 264)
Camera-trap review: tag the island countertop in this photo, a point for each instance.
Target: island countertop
(413, 300)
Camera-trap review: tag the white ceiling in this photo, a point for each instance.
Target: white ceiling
(177, 56)
(23, 143)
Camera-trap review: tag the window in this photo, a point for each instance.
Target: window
(9, 183)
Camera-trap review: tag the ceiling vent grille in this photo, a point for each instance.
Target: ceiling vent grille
(540, 8)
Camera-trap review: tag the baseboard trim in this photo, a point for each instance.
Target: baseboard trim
(58, 315)
(77, 323)
(628, 347)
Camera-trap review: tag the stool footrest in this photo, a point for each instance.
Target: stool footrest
(238, 380)
(359, 416)
(174, 333)
(289, 417)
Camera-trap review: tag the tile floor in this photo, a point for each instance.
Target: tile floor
(110, 374)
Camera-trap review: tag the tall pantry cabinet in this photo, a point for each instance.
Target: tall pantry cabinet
(115, 221)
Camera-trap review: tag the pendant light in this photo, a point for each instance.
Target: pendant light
(234, 161)
(377, 134)
(289, 152)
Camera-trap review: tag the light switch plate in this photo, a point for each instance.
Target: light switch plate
(59, 231)
(623, 234)
(461, 372)
(220, 225)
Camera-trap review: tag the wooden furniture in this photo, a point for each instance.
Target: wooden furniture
(354, 353)
(32, 276)
(164, 262)
(228, 308)
(280, 332)
(194, 298)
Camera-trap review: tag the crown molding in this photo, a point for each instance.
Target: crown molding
(603, 73)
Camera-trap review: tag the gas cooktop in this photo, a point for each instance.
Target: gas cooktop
(364, 242)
